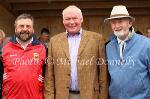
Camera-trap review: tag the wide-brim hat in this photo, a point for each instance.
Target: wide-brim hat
(119, 11)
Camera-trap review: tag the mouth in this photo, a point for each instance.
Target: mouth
(24, 35)
(118, 30)
(72, 27)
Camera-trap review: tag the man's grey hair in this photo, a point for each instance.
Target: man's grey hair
(24, 16)
(71, 8)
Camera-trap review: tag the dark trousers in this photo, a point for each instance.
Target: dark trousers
(74, 95)
(1, 78)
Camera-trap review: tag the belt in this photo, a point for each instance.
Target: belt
(74, 92)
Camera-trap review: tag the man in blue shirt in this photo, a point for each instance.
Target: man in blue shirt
(128, 58)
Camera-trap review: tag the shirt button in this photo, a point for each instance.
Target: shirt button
(68, 87)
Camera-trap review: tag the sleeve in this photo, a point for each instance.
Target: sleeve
(1, 77)
(41, 72)
(103, 75)
(148, 61)
(49, 75)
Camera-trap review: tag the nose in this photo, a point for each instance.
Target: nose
(71, 21)
(117, 26)
(25, 28)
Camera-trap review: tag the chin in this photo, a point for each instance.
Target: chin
(72, 32)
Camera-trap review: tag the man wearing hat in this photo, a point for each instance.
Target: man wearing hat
(128, 58)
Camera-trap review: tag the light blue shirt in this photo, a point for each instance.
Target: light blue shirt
(122, 44)
(74, 42)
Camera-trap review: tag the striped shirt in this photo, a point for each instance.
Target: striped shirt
(74, 42)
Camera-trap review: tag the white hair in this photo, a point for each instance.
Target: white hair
(72, 8)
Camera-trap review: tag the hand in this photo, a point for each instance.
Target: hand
(41, 78)
(4, 76)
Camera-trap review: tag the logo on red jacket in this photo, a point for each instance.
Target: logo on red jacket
(36, 56)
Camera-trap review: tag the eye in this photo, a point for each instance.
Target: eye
(67, 19)
(28, 26)
(75, 18)
(21, 26)
(120, 21)
(113, 22)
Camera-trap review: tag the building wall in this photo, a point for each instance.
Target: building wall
(6, 21)
(93, 23)
(54, 24)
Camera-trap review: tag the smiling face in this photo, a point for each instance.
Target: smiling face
(24, 29)
(72, 20)
(121, 27)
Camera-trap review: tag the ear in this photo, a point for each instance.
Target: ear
(15, 30)
(63, 21)
(33, 31)
(130, 23)
(82, 20)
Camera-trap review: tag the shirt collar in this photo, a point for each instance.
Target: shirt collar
(77, 34)
(22, 43)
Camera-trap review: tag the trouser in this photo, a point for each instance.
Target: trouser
(74, 95)
(1, 77)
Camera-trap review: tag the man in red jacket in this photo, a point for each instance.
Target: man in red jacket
(23, 58)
